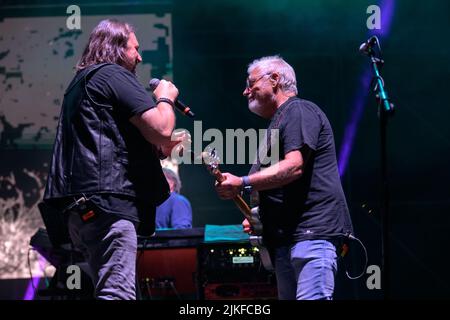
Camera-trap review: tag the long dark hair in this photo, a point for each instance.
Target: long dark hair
(107, 43)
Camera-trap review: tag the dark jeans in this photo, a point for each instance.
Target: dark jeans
(109, 245)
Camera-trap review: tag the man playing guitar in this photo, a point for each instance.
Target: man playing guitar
(302, 205)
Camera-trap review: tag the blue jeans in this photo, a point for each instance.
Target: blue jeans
(306, 270)
(109, 245)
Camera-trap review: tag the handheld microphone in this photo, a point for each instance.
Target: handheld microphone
(183, 108)
(367, 46)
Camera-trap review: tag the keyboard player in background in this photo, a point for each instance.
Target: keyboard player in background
(176, 211)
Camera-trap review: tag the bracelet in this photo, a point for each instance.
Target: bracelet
(166, 100)
(246, 187)
(245, 181)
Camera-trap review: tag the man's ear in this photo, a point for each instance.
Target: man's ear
(274, 79)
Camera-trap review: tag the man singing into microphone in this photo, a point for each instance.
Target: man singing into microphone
(105, 174)
(302, 205)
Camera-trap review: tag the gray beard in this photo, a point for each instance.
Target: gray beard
(255, 107)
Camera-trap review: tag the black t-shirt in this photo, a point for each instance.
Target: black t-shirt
(121, 89)
(313, 206)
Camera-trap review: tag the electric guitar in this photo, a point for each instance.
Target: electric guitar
(211, 161)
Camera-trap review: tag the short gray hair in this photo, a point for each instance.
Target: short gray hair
(173, 176)
(288, 81)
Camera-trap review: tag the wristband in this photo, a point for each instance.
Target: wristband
(247, 188)
(245, 181)
(166, 100)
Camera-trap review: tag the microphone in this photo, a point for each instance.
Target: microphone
(184, 109)
(366, 47)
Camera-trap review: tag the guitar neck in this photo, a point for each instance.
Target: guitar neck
(240, 203)
(243, 206)
(218, 175)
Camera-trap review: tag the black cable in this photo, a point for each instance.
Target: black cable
(374, 84)
(351, 237)
(344, 249)
(172, 285)
(149, 291)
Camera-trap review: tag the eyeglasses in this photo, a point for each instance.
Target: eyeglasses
(250, 83)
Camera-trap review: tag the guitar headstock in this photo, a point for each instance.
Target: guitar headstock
(211, 159)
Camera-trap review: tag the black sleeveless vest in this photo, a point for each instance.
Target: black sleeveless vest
(98, 151)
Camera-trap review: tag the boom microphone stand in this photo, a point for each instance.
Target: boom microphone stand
(372, 49)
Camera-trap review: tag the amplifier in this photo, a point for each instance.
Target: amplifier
(180, 265)
(168, 273)
(221, 262)
(167, 264)
(234, 271)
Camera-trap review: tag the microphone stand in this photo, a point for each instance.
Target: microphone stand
(385, 111)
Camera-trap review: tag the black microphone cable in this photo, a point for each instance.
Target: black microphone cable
(345, 249)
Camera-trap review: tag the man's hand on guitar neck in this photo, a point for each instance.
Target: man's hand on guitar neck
(247, 226)
(230, 187)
